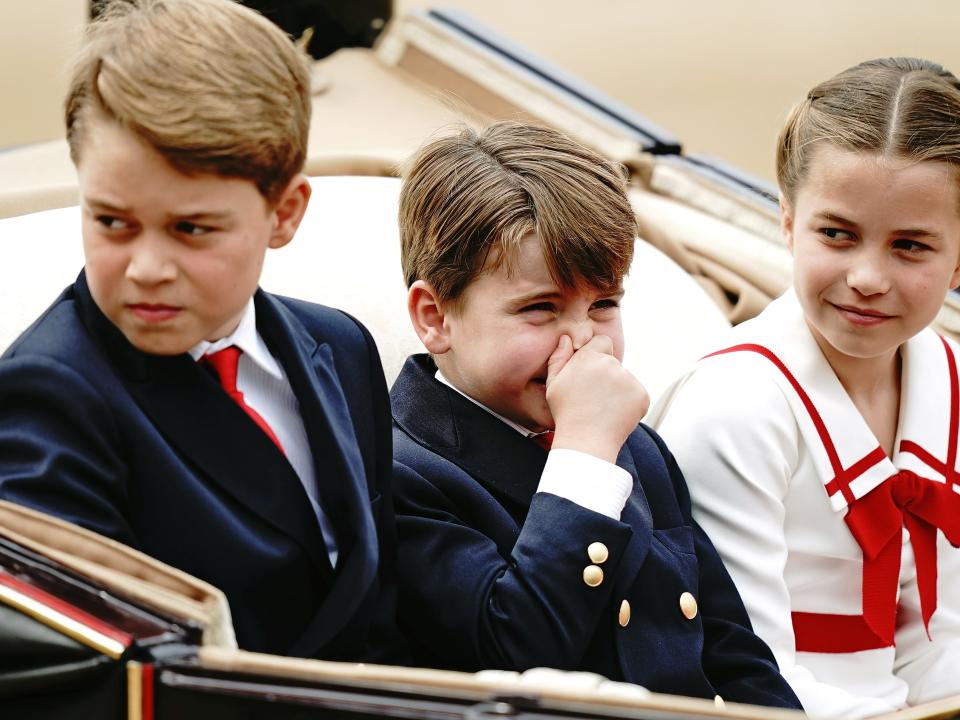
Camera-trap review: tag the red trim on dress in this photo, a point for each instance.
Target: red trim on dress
(841, 477)
(946, 468)
(876, 521)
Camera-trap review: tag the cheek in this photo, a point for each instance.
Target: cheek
(616, 334)
(613, 329)
(930, 288)
(104, 262)
(812, 270)
(523, 353)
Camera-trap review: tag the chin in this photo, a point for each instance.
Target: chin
(158, 346)
(863, 348)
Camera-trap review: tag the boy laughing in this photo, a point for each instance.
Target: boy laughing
(539, 523)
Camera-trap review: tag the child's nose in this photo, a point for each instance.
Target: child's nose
(868, 274)
(149, 264)
(580, 332)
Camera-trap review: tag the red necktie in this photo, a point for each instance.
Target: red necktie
(544, 439)
(224, 363)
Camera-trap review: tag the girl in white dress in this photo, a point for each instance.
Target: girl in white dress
(820, 441)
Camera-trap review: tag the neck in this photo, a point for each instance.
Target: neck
(862, 377)
(873, 385)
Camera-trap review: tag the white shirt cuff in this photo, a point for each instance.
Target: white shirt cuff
(586, 480)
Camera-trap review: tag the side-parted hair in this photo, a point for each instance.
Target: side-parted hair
(896, 107)
(213, 86)
(468, 200)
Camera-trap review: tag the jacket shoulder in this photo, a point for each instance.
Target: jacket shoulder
(58, 332)
(649, 451)
(420, 458)
(326, 324)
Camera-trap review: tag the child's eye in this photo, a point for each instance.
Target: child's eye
(110, 222)
(189, 228)
(605, 304)
(911, 246)
(538, 307)
(836, 233)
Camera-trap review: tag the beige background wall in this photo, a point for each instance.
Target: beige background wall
(36, 38)
(719, 75)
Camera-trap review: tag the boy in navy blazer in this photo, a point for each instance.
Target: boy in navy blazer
(539, 523)
(164, 400)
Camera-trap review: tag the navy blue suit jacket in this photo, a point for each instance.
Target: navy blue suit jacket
(150, 451)
(492, 572)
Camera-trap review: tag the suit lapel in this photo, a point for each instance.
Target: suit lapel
(441, 419)
(340, 472)
(187, 406)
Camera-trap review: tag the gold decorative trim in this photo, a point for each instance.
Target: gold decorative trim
(58, 621)
(134, 690)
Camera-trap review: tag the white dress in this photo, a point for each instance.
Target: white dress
(795, 492)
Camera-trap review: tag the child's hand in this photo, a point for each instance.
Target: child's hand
(595, 402)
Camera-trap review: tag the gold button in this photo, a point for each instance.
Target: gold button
(624, 617)
(598, 553)
(688, 606)
(718, 701)
(592, 575)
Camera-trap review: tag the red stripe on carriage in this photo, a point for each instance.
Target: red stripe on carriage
(146, 691)
(66, 609)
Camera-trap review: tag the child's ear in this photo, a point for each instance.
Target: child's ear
(786, 222)
(428, 317)
(289, 211)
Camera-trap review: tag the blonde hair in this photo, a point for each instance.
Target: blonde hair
(469, 199)
(898, 107)
(211, 85)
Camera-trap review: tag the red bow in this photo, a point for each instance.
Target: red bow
(877, 520)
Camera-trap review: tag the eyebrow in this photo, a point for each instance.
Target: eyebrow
(94, 203)
(553, 294)
(841, 220)
(103, 205)
(544, 294)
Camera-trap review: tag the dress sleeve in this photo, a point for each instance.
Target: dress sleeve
(736, 441)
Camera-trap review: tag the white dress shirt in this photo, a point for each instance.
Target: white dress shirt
(267, 390)
(579, 477)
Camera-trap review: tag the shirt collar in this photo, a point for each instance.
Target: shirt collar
(247, 339)
(519, 428)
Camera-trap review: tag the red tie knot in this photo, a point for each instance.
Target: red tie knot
(543, 439)
(224, 363)
(907, 488)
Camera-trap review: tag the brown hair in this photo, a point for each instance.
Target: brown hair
(212, 85)
(898, 107)
(467, 200)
